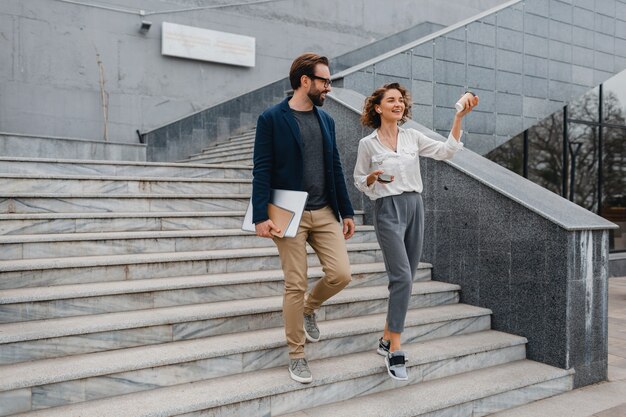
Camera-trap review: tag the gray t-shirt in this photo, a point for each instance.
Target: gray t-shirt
(314, 181)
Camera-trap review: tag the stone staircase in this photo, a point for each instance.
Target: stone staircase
(238, 149)
(128, 289)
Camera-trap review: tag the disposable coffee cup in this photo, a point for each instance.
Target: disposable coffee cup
(460, 105)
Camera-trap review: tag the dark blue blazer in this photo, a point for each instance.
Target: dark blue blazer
(278, 160)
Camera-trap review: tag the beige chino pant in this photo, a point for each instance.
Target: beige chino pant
(324, 233)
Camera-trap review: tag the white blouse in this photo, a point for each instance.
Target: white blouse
(404, 164)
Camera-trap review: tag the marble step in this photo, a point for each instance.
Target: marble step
(227, 147)
(107, 202)
(57, 382)
(249, 135)
(50, 338)
(84, 269)
(25, 304)
(43, 223)
(245, 136)
(473, 394)
(45, 166)
(230, 145)
(16, 247)
(270, 392)
(89, 184)
(229, 158)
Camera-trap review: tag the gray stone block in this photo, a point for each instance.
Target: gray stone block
(422, 92)
(556, 249)
(495, 263)
(481, 55)
(481, 122)
(424, 50)
(604, 43)
(458, 34)
(561, 32)
(487, 99)
(535, 46)
(422, 68)
(481, 33)
(583, 37)
(560, 91)
(620, 51)
(560, 11)
(507, 125)
(605, 23)
(449, 49)
(539, 8)
(498, 299)
(620, 63)
(584, 4)
(197, 120)
(603, 61)
(510, 18)
(510, 40)
(582, 56)
(560, 51)
(583, 18)
(510, 61)
(423, 114)
(508, 82)
(600, 76)
(442, 118)
(582, 75)
(480, 77)
(528, 226)
(482, 143)
(489, 19)
(535, 87)
(361, 81)
(620, 24)
(450, 73)
(536, 67)
(510, 104)
(381, 79)
(536, 25)
(396, 66)
(528, 262)
(592, 373)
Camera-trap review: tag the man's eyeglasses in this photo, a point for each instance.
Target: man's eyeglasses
(327, 81)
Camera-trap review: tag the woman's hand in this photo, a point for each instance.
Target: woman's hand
(373, 176)
(470, 103)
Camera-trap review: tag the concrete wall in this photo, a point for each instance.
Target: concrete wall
(49, 76)
(525, 62)
(538, 261)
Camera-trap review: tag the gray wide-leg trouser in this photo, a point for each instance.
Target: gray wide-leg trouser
(399, 225)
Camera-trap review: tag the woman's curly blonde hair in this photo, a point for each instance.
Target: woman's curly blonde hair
(371, 118)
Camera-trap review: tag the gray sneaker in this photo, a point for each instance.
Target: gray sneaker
(299, 370)
(383, 346)
(396, 365)
(311, 330)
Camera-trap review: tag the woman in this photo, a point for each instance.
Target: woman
(387, 170)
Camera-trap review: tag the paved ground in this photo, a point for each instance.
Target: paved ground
(607, 399)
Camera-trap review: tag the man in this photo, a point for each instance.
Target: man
(295, 149)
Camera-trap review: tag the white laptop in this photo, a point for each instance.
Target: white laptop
(294, 201)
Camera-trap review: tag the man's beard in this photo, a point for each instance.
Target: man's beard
(316, 97)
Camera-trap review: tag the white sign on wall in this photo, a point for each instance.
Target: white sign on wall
(207, 45)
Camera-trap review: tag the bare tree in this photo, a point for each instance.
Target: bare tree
(545, 166)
